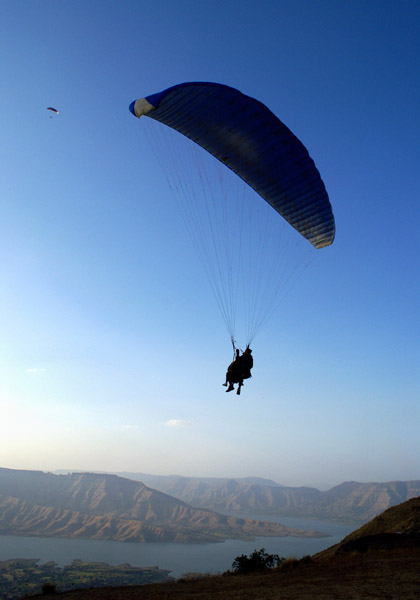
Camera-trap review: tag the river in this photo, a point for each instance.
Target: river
(178, 558)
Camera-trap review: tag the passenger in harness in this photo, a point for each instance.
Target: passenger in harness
(239, 369)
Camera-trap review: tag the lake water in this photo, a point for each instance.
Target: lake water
(178, 558)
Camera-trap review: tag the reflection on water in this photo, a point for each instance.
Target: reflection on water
(179, 558)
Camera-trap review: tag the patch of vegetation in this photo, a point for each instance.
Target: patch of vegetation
(19, 577)
(257, 562)
(260, 561)
(49, 588)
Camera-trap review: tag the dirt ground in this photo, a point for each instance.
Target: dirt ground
(385, 575)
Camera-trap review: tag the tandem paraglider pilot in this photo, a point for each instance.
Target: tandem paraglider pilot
(239, 369)
(253, 144)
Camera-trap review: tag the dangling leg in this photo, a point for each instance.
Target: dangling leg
(230, 380)
(226, 380)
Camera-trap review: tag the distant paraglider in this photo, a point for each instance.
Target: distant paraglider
(54, 110)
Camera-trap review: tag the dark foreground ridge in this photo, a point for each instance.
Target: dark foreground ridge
(379, 574)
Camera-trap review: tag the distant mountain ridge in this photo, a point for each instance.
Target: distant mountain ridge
(350, 501)
(103, 506)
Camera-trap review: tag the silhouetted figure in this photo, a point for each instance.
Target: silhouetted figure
(247, 362)
(239, 369)
(232, 372)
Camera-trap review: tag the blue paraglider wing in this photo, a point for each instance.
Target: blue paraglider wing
(250, 140)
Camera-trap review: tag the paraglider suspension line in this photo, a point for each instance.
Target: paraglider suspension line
(233, 346)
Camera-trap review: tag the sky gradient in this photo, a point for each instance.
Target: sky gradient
(112, 351)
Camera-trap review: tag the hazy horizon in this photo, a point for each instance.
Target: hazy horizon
(322, 486)
(112, 350)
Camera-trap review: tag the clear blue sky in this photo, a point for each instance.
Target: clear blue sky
(112, 349)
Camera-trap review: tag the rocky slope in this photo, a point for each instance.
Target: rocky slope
(98, 506)
(350, 501)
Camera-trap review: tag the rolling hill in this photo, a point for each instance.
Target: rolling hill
(397, 527)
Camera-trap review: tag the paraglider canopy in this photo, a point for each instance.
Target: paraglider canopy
(249, 139)
(52, 109)
(241, 241)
